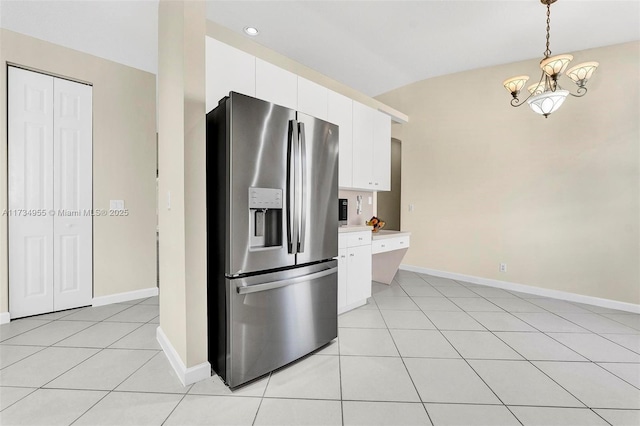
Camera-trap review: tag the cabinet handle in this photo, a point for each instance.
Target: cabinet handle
(360, 238)
(370, 183)
(352, 255)
(383, 245)
(376, 183)
(343, 256)
(401, 242)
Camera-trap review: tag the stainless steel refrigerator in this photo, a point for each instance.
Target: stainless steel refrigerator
(272, 218)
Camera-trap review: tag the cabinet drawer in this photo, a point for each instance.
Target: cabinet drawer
(402, 242)
(388, 244)
(355, 239)
(381, 246)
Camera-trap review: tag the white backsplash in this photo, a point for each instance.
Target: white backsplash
(367, 209)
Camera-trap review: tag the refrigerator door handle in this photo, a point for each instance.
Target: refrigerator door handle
(292, 217)
(303, 189)
(277, 284)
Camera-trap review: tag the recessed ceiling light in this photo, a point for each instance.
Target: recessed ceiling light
(252, 31)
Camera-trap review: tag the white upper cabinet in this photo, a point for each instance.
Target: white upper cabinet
(276, 85)
(340, 112)
(312, 98)
(362, 146)
(228, 69)
(371, 149)
(364, 133)
(381, 152)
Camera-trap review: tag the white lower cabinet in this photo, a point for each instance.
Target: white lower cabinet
(342, 278)
(354, 270)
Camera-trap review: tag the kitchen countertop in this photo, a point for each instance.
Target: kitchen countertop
(354, 228)
(380, 235)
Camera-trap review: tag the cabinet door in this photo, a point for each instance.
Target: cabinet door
(358, 274)
(72, 187)
(227, 69)
(340, 112)
(273, 84)
(342, 278)
(381, 152)
(363, 118)
(312, 99)
(30, 144)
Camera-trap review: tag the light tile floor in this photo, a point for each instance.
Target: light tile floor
(423, 351)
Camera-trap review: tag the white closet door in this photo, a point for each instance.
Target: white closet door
(30, 144)
(72, 183)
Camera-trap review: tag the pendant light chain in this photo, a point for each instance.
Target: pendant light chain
(547, 53)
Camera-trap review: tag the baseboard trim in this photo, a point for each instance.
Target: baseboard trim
(124, 297)
(523, 288)
(5, 317)
(186, 375)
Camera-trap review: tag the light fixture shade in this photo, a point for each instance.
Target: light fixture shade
(514, 84)
(581, 73)
(547, 102)
(555, 65)
(536, 89)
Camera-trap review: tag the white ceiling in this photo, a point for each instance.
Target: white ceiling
(373, 46)
(122, 31)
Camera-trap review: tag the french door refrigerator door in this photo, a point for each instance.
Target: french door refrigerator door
(279, 317)
(318, 225)
(258, 141)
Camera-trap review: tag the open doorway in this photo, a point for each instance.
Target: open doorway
(389, 201)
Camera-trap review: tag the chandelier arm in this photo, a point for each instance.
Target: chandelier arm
(580, 93)
(515, 102)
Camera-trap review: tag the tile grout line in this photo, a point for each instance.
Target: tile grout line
(174, 408)
(340, 377)
(52, 346)
(19, 399)
(264, 392)
(407, 368)
(535, 366)
(529, 361)
(82, 362)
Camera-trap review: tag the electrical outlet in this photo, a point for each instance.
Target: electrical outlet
(410, 207)
(503, 267)
(370, 200)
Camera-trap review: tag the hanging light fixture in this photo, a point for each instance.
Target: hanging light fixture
(547, 96)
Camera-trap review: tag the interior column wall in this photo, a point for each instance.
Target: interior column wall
(182, 177)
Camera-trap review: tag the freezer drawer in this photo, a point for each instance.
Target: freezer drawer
(277, 318)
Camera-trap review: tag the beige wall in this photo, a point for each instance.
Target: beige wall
(557, 199)
(124, 165)
(181, 129)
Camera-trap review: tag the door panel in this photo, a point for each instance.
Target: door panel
(73, 280)
(319, 142)
(258, 155)
(30, 149)
(285, 319)
(358, 274)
